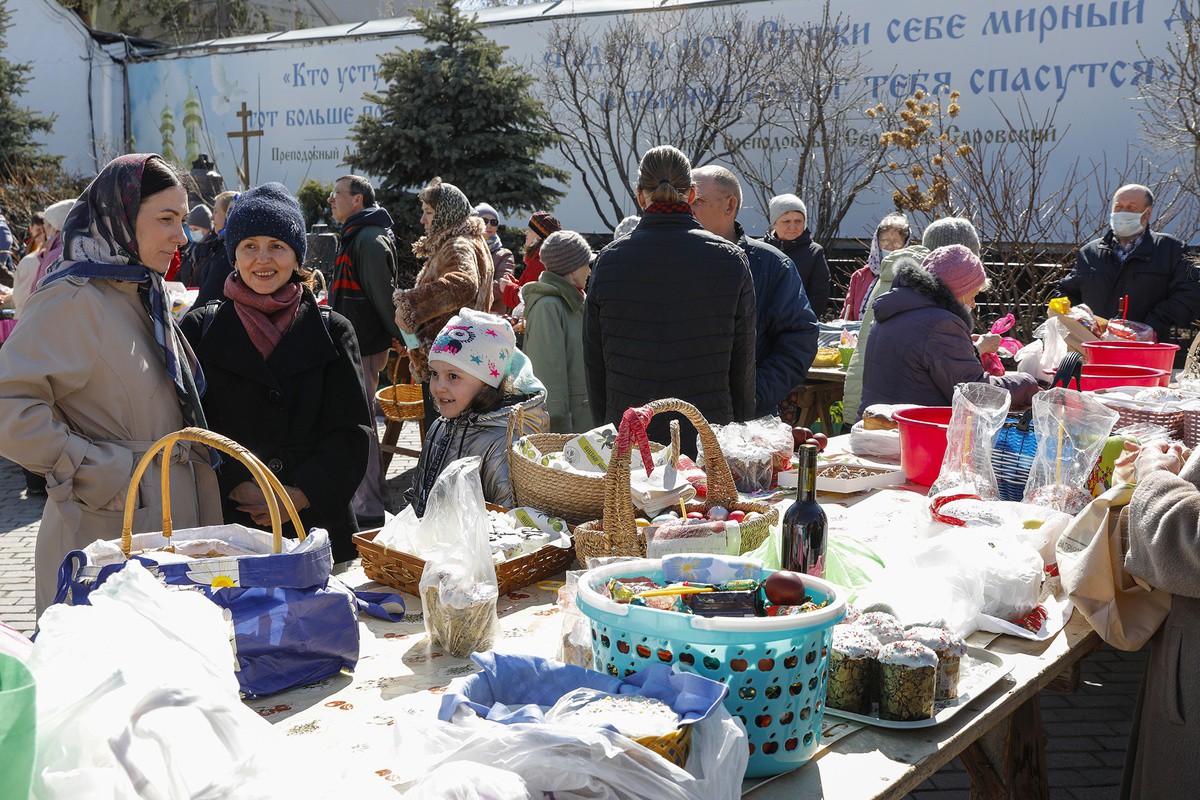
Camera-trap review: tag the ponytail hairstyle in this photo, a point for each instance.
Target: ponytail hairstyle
(665, 175)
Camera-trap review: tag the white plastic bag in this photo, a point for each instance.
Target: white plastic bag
(1008, 572)
(979, 410)
(137, 700)
(579, 763)
(874, 444)
(1037, 526)
(464, 780)
(458, 585)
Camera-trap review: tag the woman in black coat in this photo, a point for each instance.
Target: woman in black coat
(284, 374)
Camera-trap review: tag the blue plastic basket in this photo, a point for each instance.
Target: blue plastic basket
(1012, 456)
(775, 667)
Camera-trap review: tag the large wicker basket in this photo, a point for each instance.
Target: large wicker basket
(574, 497)
(616, 533)
(277, 499)
(403, 570)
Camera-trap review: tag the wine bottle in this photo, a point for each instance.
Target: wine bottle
(805, 527)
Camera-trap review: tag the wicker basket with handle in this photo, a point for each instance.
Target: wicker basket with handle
(574, 497)
(402, 570)
(270, 485)
(401, 402)
(616, 533)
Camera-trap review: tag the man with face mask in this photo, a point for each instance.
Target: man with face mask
(1150, 267)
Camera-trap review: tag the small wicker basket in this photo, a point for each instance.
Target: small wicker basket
(403, 570)
(401, 402)
(616, 533)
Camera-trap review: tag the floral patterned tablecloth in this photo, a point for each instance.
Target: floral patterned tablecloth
(400, 675)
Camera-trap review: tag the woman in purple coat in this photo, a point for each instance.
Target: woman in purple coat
(921, 346)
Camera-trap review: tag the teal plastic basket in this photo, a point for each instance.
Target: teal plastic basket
(775, 667)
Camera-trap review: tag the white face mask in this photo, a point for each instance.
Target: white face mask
(1126, 224)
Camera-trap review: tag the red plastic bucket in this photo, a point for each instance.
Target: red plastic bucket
(1133, 354)
(1108, 376)
(923, 442)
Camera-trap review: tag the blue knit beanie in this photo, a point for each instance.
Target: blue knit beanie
(267, 210)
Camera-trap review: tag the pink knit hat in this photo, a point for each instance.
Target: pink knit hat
(958, 268)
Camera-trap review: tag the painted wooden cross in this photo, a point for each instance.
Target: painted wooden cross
(244, 134)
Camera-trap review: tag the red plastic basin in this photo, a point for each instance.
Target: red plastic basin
(1109, 376)
(923, 442)
(1133, 354)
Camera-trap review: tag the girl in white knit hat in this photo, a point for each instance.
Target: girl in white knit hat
(478, 379)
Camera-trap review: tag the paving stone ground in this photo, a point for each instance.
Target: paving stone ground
(1087, 731)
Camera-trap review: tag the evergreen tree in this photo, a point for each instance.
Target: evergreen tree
(19, 149)
(455, 109)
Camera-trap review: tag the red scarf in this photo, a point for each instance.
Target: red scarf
(668, 208)
(266, 317)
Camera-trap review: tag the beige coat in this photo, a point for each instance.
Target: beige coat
(83, 394)
(1164, 528)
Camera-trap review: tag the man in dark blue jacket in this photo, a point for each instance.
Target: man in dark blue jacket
(1131, 260)
(786, 327)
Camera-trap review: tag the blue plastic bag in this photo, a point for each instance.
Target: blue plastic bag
(511, 689)
(294, 622)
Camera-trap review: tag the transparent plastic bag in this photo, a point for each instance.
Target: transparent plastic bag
(979, 411)
(1127, 330)
(756, 451)
(576, 645)
(1073, 428)
(458, 585)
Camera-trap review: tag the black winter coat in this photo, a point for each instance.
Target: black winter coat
(670, 313)
(785, 326)
(302, 411)
(211, 273)
(809, 258)
(1161, 282)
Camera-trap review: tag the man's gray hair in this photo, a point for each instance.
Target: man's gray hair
(1144, 189)
(722, 178)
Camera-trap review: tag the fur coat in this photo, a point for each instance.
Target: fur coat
(458, 274)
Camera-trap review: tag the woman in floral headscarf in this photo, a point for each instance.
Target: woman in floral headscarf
(457, 275)
(97, 370)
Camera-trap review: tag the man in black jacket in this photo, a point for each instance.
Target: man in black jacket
(1151, 268)
(364, 279)
(785, 325)
(670, 311)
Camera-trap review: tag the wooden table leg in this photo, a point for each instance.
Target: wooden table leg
(1018, 746)
(391, 435)
(1025, 753)
(985, 781)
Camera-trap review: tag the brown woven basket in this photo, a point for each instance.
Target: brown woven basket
(616, 534)
(576, 498)
(1191, 427)
(401, 402)
(1127, 415)
(403, 570)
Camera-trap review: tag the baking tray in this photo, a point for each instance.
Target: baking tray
(978, 672)
(880, 476)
